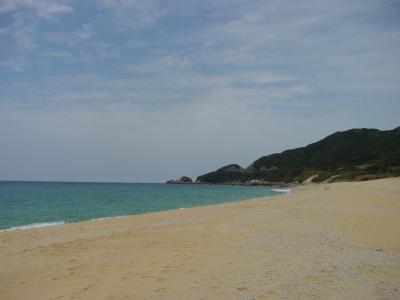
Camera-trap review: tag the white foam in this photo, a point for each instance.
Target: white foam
(287, 191)
(35, 225)
(105, 218)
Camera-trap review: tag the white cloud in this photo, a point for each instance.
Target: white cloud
(80, 46)
(266, 78)
(43, 8)
(143, 92)
(58, 54)
(17, 63)
(21, 33)
(71, 38)
(18, 41)
(133, 13)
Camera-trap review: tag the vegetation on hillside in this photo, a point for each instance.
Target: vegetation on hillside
(356, 154)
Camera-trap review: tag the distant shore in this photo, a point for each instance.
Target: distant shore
(322, 241)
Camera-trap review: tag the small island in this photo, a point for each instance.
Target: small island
(182, 180)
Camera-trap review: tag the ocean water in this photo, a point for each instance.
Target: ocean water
(35, 204)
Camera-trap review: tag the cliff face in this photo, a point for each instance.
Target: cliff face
(355, 154)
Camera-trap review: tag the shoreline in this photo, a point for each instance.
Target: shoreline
(30, 226)
(327, 241)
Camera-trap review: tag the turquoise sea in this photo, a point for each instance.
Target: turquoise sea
(36, 204)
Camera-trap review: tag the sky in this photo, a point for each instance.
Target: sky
(145, 91)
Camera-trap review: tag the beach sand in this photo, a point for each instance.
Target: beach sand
(327, 241)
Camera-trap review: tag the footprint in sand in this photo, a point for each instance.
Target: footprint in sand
(242, 289)
(88, 287)
(166, 269)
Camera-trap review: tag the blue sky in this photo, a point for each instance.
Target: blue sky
(132, 90)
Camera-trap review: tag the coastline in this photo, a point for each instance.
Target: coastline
(279, 189)
(318, 241)
(284, 191)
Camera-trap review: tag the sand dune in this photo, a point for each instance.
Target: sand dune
(336, 241)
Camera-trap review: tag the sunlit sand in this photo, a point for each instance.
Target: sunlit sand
(336, 241)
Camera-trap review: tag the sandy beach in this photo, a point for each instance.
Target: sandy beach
(336, 241)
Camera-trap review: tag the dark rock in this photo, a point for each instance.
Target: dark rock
(183, 179)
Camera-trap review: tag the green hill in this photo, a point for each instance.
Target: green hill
(356, 154)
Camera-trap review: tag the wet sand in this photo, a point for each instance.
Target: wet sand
(336, 241)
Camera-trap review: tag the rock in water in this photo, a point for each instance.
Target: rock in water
(183, 179)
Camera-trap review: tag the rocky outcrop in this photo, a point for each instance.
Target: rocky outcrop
(183, 179)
